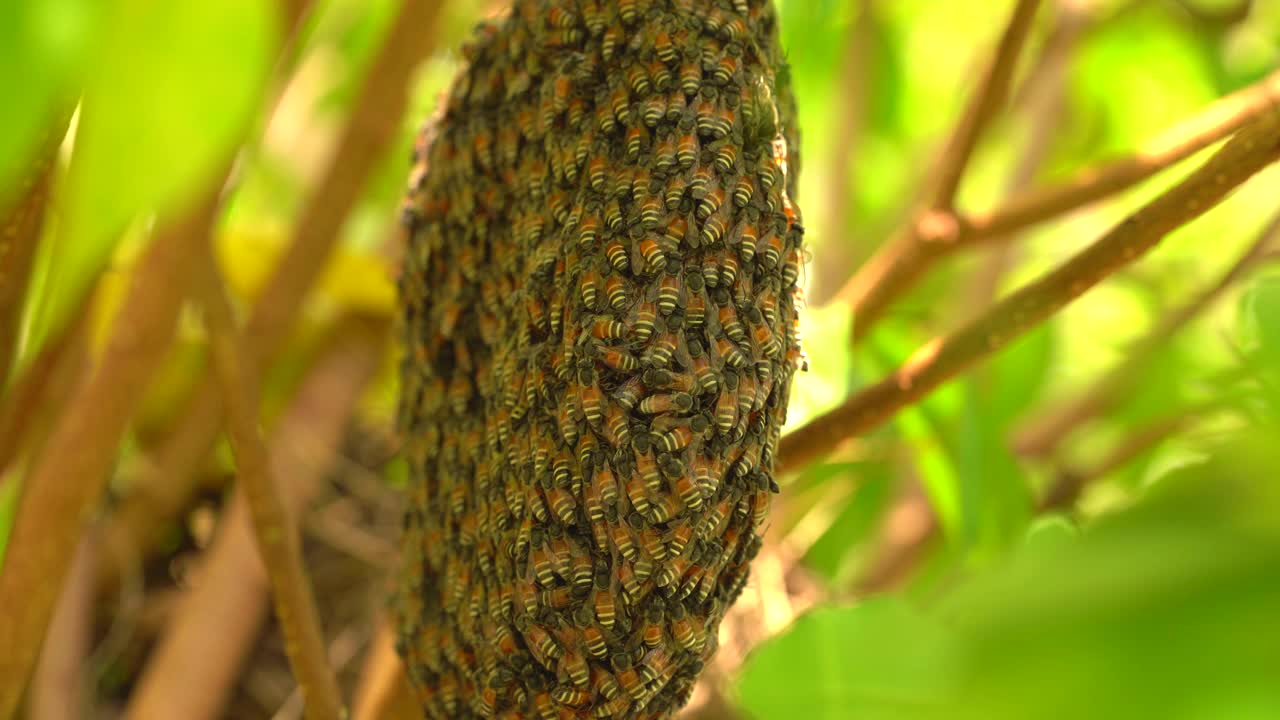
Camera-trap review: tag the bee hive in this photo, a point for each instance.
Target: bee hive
(600, 328)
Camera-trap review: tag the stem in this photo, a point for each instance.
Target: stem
(869, 289)
(69, 475)
(164, 491)
(200, 654)
(1252, 149)
(276, 533)
(893, 271)
(1042, 436)
(20, 229)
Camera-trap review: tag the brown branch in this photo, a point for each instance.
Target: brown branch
(198, 659)
(1070, 483)
(841, 253)
(1042, 436)
(891, 272)
(990, 96)
(372, 127)
(20, 228)
(868, 290)
(1253, 148)
(38, 395)
(276, 532)
(70, 474)
(1044, 94)
(384, 692)
(57, 688)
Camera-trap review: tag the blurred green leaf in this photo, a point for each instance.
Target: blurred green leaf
(821, 666)
(1049, 533)
(42, 48)
(1165, 610)
(855, 523)
(1263, 303)
(996, 502)
(168, 93)
(1135, 75)
(8, 506)
(924, 427)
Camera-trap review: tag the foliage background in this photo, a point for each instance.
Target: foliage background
(1126, 606)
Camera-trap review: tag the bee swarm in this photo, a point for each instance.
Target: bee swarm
(600, 333)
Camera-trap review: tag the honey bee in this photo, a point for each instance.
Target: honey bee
(644, 321)
(617, 427)
(651, 634)
(686, 145)
(616, 253)
(627, 677)
(661, 350)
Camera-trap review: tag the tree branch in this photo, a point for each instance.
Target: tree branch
(276, 533)
(1070, 483)
(1041, 436)
(863, 290)
(1253, 148)
(369, 132)
(200, 654)
(38, 395)
(891, 272)
(989, 98)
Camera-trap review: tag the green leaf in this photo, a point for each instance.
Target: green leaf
(170, 90)
(1122, 622)
(42, 47)
(924, 425)
(8, 506)
(1263, 302)
(995, 499)
(854, 524)
(877, 660)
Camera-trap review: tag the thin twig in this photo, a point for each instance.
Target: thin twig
(1250, 150)
(1044, 93)
(69, 475)
(864, 291)
(987, 101)
(1041, 436)
(200, 654)
(276, 532)
(849, 99)
(1070, 483)
(892, 272)
(369, 133)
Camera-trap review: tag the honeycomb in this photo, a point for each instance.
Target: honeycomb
(599, 319)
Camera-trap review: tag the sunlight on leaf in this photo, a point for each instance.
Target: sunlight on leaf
(170, 89)
(42, 48)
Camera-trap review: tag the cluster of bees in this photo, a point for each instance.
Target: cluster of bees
(599, 299)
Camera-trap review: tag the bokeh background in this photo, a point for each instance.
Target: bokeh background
(918, 572)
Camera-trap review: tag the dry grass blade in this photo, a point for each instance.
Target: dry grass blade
(276, 533)
(1250, 150)
(70, 474)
